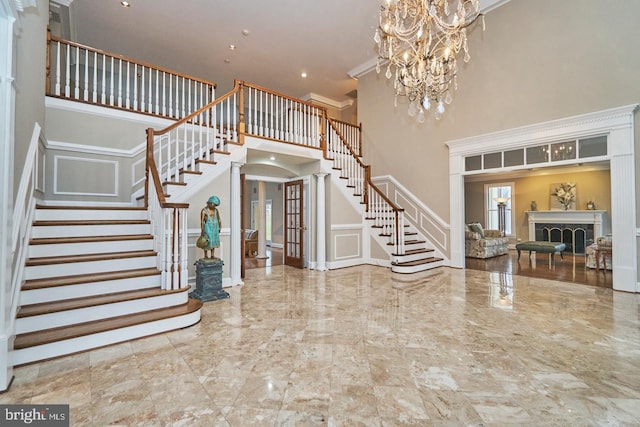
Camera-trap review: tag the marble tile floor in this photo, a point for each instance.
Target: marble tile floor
(363, 346)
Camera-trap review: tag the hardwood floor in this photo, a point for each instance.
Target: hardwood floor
(570, 269)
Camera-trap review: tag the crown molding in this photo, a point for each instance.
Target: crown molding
(327, 102)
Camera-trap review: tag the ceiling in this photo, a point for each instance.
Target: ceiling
(328, 39)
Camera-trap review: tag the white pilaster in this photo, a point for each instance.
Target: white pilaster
(321, 225)
(236, 226)
(262, 220)
(623, 207)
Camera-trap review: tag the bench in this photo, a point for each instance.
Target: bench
(544, 247)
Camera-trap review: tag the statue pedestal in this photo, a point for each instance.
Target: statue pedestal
(209, 280)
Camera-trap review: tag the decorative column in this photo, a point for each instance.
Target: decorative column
(236, 227)
(262, 220)
(321, 232)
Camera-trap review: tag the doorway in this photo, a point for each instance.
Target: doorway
(294, 224)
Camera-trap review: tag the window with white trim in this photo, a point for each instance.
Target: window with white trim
(497, 191)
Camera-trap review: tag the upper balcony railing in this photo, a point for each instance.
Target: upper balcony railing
(93, 76)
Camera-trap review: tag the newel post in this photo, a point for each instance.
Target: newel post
(367, 179)
(148, 156)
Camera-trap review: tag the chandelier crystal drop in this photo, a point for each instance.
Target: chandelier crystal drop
(418, 40)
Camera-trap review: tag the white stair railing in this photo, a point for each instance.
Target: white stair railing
(269, 114)
(85, 74)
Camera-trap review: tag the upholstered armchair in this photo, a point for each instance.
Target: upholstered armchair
(481, 243)
(250, 242)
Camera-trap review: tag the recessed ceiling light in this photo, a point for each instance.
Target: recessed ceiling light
(303, 75)
(232, 47)
(227, 61)
(125, 3)
(272, 158)
(245, 32)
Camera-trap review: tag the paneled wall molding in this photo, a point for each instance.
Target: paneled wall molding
(617, 124)
(58, 188)
(95, 150)
(338, 227)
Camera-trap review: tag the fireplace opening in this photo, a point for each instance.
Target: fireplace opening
(575, 236)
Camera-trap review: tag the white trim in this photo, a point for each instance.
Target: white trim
(324, 101)
(336, 227)
(96, 110)
(363, 69)
(81, 193)
(352, 262)
(94, 149)
(358, 237)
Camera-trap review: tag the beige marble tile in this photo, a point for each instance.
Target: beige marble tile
(362, 346)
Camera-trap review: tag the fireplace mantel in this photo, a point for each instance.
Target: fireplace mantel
(595, 217)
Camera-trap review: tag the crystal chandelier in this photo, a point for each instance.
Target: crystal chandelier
(420, 39)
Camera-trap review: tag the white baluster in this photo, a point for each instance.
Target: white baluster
(85, 93)
(135, 87)
(76, 84)
(95, 77)
(128, 83)
(183, 100)
(156, 94)
(119, 82)
(57, 90)
(164, 93)
(111, 94)
(142, 87)
(67, 88)
(103, 97)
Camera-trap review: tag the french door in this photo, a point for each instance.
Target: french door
(294, 224)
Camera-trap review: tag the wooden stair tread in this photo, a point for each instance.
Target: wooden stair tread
(47, 336)
(91, 301)
(191, 172)
(88, 257)
(174, 183)
(50, 282)
(93, 208)
(206, 162)
(89, 239)
(417, 262)
(415, 251)
(64, 222)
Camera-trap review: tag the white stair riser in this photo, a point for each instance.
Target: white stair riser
(60, 348)
(57, 293)
(89, 214)
(416, 268)
(99, 312)
(175, 190)
(73, 268)
(412, 257)
(88, 230)
(64, 249)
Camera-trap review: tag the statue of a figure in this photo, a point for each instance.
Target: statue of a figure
(210, 225)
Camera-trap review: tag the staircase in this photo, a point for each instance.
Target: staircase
(101, 287)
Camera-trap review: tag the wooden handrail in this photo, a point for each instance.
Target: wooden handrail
(185, 119)
(273, 92)
(366, 167)
(135, 61)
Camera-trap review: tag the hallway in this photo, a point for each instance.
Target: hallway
(365, 346)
